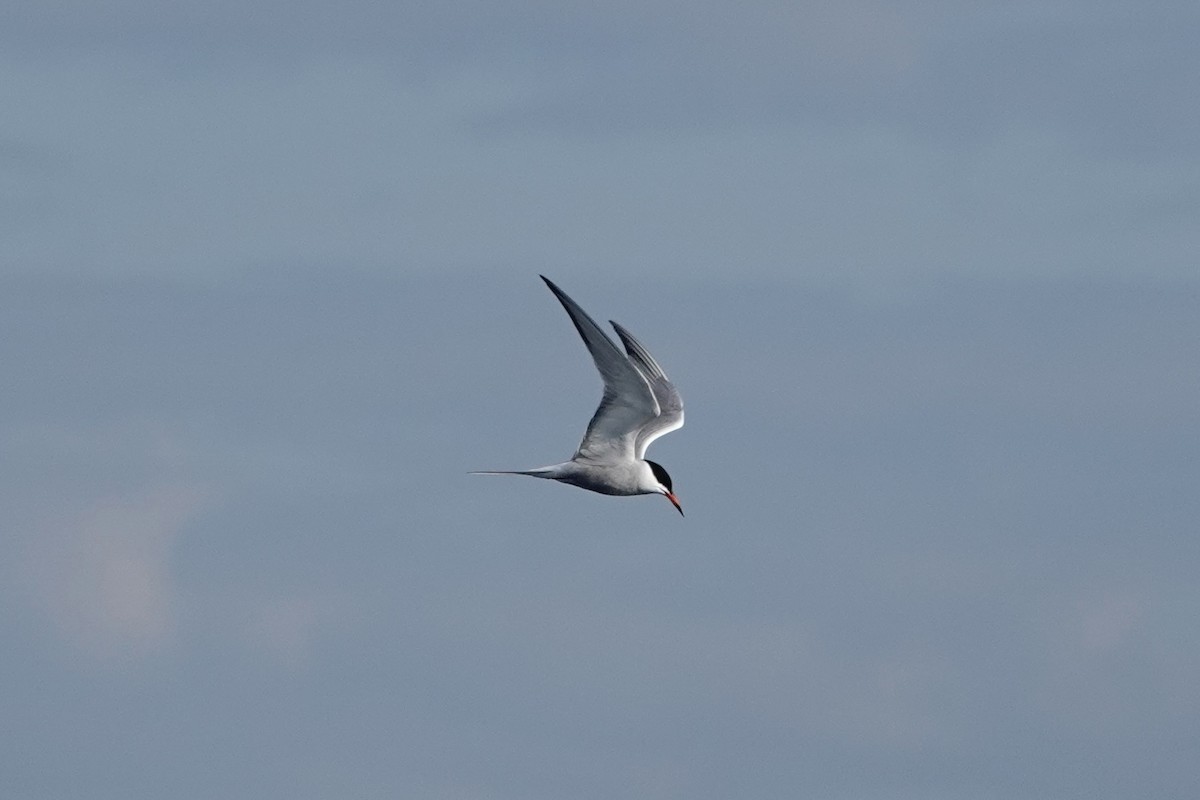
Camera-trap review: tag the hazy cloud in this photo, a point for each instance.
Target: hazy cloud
(104, 577)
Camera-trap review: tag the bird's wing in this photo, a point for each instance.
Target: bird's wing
(628, 402)
(670, 404)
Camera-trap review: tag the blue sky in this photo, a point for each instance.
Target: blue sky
(924, 273)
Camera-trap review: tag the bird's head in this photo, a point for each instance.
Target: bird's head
(663, 484)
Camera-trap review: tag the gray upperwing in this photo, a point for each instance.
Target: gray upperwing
(670, 403)
(628, 401)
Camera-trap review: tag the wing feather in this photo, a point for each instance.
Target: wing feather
(629, 402)
(670, 403)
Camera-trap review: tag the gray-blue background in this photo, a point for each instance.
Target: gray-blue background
(925, 274)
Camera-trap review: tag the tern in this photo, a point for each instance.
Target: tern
(639, 405)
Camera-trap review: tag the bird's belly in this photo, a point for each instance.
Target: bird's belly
(613, 482)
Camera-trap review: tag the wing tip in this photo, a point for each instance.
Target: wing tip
(559, 293)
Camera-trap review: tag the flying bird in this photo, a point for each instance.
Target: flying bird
(639, 405)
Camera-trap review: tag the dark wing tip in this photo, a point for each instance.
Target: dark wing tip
(559, 293)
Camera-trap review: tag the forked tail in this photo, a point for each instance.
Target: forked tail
(540, 472)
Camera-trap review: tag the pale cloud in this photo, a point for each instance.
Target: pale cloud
(102, 577)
